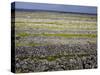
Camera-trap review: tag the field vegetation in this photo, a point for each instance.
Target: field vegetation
(53, 41)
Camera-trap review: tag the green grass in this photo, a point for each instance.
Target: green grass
(52, 14)
(59, 35)
(71, 35)
(53, 58)
(23, 44)
(55, 17)
(29, 44)
(55, 25)
(23, 34)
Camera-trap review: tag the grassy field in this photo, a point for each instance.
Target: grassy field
(55, 41)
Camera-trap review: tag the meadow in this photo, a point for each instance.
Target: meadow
(53, 41)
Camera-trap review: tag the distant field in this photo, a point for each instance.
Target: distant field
(55, 41)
